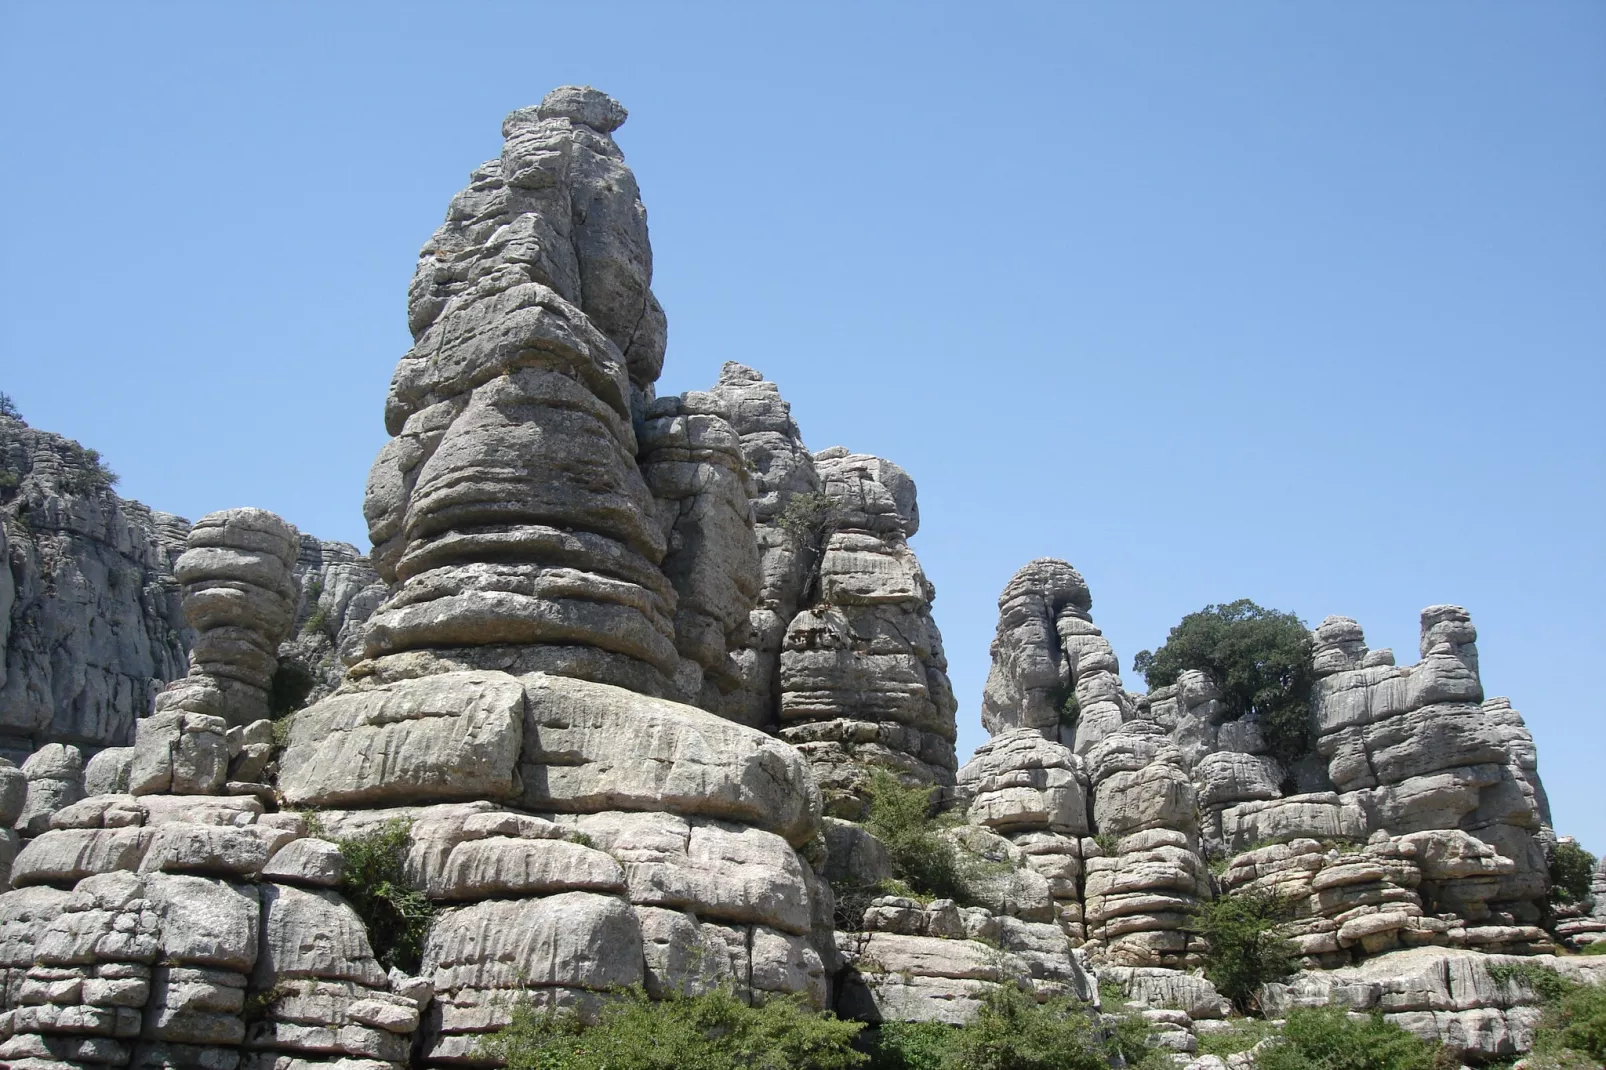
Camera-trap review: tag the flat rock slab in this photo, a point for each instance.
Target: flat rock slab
(451, 736)
(591, 747)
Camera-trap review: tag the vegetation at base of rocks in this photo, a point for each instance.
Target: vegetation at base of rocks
(1327, 1038)
(1574, 1021)
(288, 691)
(1260, 660)
(712, 1031)
(1247, 945)
(1244, 1034)
(1012, 1031)
(1107, 841)
(396, 915)
(1571, 870)
(1597, 948)
(8, 407)
(902, 818)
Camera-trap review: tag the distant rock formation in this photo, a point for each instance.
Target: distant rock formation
(90, 623)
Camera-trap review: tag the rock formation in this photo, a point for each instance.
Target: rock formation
(611, 694)
(90, 624)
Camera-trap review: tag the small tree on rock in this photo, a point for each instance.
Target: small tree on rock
(1260, 660)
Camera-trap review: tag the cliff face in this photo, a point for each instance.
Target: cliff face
(90, 621)
(615, 688)
(90, 624)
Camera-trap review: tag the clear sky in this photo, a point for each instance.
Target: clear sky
(1304, 303)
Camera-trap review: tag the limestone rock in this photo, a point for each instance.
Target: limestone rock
(591, 747)
(90, 624)
(451, 736)
(507, 508)
(1020, 781)
(240, 597)
(693, 463)
(54, 774)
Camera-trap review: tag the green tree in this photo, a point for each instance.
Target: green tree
(1260, 660)
(1571, 870)
(1247, 945)
(901, 818)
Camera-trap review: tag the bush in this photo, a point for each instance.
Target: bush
(1011, 1031)
(1571, 870)
(1247, 945)
(396, 915)
(912, 1046)
(1260, 659)
(807, 516)
(92, 475)
(714, 1031)
(1326, 1038)
(8, 407)
(1574, 1014)
(1244, 1034)
(901, 818)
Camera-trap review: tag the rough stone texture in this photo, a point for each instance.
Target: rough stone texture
(692, 460)
(1416, 748)
(451, 736)
(1438, 994)
(507, 509)
(240, 598)
(593, 747)
(338, 591)
(863, 676)
(54, 775)
(90, 624)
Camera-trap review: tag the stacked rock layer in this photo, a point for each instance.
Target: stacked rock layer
(613, 690)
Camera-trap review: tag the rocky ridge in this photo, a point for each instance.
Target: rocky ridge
(616, 678)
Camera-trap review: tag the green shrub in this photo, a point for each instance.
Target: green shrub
(1070, 709)
(1012, 1031)
(1574, 1013)
(1545, 982)
(91, 476)
(901, 818)
(1597, 948)
(1260, 659)
(317, 622)
(1571, 870)
(1244, 1034)
(1576, 1022)
(807, 516)
(8, 407)
(396, 915)
(1247, 947)
(714, 1031)
(1326, 1038)
(912, 1046)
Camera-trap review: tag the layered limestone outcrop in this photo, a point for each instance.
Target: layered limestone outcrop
(840, 653)
(613, 689)
(90, 621)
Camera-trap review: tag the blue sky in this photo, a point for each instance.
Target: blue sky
(1304, 303)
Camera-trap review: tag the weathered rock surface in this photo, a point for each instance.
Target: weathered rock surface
(90, 624)
(508, 509)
